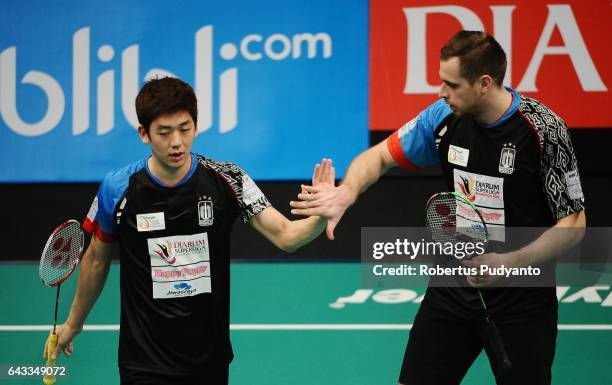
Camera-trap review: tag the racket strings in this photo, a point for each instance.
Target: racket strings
(441, 220)
(61, 253)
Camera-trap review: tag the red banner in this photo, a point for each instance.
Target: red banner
(558, 53)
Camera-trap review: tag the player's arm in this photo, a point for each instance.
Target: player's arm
(291, 235)
(565, 199)
(413, 145)
(331, 202)
(566, 233)
(285, 234)
(92, 277)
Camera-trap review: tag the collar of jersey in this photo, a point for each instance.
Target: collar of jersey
(516, 100)
(194, 164)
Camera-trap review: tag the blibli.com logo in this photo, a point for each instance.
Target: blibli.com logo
(252, 47)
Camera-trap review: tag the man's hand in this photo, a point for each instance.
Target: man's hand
(323, 198)
(324, 174)
(492, 261)
(65, 335)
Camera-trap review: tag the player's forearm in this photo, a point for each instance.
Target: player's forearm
(301, 232)
(92, 277)
(364, 171)
(553, 242)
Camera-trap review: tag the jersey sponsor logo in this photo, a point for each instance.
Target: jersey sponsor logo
(171, 274)
(486, 193)
(572, 181)
(179, 259)
(182, 288)
(178, 289)
(467, 187)
(150, 222)
(205, 213)
(458, 155)
(165, 252)
(506, 158)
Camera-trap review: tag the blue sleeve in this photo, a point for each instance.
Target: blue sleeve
(415, 141)
(100, 218)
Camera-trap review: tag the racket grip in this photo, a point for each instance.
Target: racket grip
(497, 346)
(49, 379)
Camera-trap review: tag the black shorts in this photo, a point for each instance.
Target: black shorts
(442, 347)
(139, 377)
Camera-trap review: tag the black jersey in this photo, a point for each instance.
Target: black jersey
(174, 247)
(520, 171)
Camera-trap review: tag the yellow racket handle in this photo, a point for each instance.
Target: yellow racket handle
(49, 379)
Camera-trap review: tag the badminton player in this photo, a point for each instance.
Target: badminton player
(170, 217)
(513, 157)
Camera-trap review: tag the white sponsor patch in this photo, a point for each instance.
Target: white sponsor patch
(181, 288)
(180, 265)
(572, 181)
(405, 129)
(487, 194)
(458, 155)
(250, 192)
(150, 222)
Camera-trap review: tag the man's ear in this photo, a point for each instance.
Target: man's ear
(144, 134)
(486, 83)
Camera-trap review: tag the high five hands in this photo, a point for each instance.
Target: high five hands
(323, 198)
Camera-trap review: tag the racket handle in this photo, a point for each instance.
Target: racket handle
(49, 379)
(497, 346)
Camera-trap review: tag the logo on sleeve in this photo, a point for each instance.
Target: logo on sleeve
(572, 181)
(506, 158)
(250, 192)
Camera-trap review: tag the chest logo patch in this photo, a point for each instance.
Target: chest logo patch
(506, 158)
(458, 155)
(205, 213)
(487, 194)
(180, 265)
(150, 222)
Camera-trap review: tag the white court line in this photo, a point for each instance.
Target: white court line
(17, 328)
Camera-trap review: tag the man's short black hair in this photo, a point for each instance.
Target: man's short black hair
(479, 54)
(165, 96)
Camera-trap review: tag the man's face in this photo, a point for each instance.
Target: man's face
(171, 137)
(462, 97)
